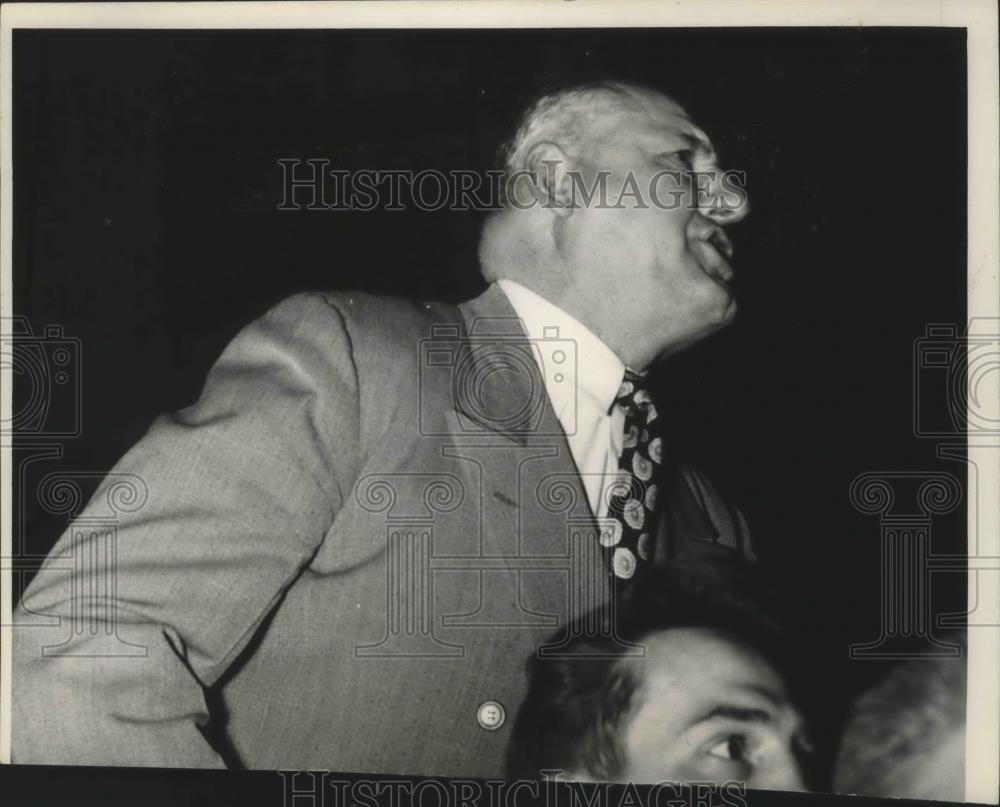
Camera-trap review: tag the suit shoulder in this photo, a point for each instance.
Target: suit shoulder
(383, 334)
(381, 322)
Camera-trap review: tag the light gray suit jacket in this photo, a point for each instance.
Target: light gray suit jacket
(349, 544)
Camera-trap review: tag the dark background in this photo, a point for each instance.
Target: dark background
(145, 224)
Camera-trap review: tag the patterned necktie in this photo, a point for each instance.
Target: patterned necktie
(632, 495)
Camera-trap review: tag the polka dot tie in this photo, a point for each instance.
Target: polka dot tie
(632, 494)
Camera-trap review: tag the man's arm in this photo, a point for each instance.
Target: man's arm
(242, 488)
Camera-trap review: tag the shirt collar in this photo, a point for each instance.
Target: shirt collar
(590, 365)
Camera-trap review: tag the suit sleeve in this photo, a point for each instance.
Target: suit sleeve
(119, 634)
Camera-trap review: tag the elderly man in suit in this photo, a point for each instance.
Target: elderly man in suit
(340, 555)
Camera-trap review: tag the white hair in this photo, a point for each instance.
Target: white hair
(565, 117)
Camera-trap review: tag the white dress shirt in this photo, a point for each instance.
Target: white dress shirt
(582, 376)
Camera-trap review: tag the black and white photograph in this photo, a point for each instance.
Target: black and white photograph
(574, 392)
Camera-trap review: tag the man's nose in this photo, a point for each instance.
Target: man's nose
(722, 196)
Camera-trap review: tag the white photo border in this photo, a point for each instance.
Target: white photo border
(977, 17)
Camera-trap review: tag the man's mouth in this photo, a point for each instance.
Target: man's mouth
(714, 251)
(721, 242)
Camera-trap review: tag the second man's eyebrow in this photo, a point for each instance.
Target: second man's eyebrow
(743, 714)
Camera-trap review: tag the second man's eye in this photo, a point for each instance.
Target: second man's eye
(733, 747)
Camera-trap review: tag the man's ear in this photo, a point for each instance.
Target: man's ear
(549, 167)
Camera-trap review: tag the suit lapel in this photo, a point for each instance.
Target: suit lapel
(535, 489)
(532, 490)
(497, 385)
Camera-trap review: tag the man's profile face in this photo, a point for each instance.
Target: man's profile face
(709, 708)
(660, 262)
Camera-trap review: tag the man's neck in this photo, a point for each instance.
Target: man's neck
(512, 247)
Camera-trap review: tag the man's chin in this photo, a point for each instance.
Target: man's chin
(714, 277)
(720, 308)
(723, 285)
(729, 313)
(720, 319)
